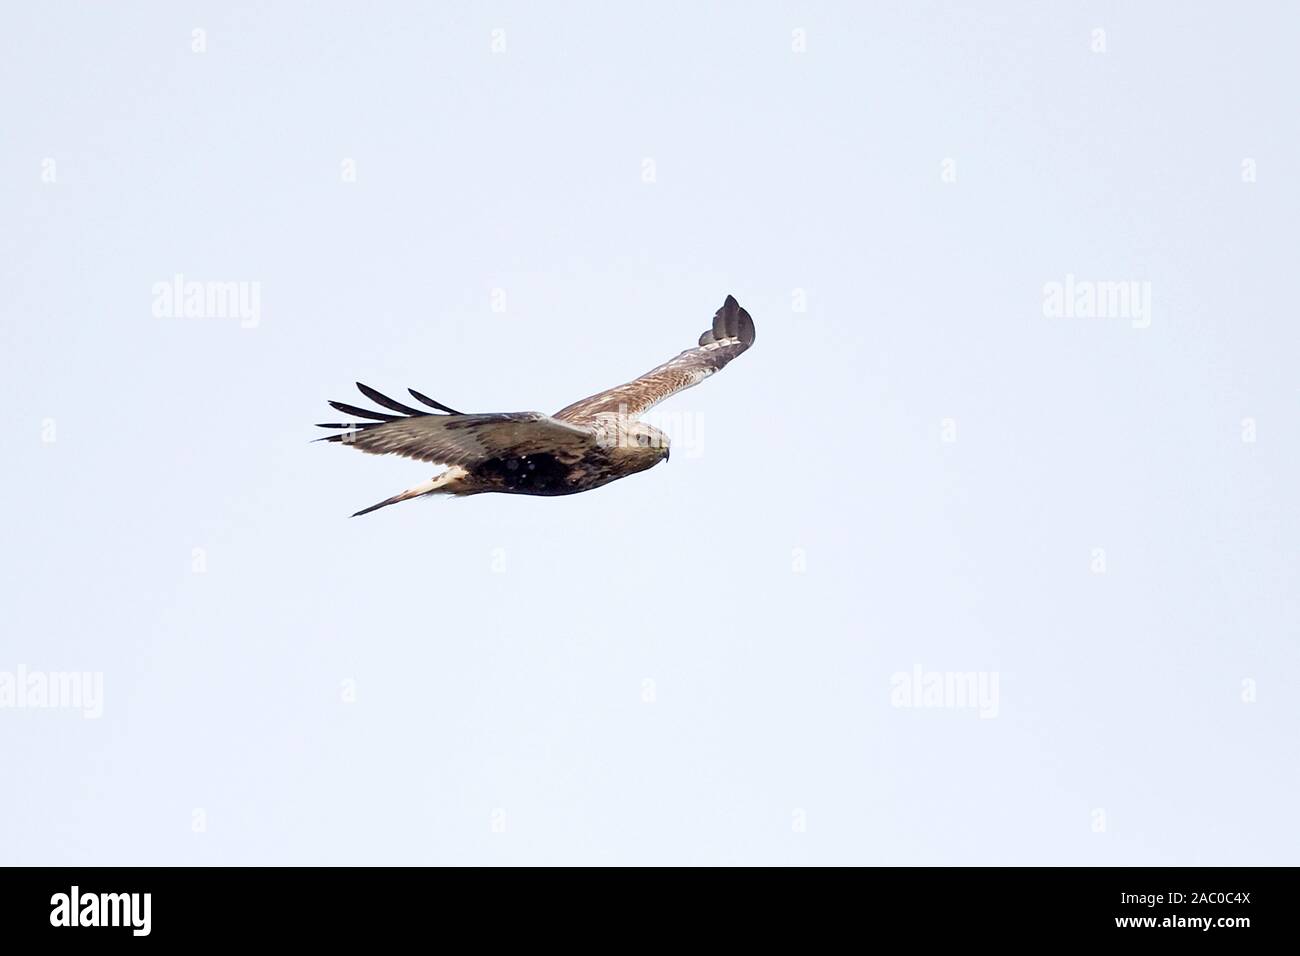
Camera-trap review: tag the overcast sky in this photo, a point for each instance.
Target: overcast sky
(943, 570)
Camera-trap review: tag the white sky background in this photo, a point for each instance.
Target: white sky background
(516, 696)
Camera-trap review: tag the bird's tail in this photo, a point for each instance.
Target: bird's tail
(436, 483)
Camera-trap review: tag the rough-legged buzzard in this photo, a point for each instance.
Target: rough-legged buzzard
(582, 446)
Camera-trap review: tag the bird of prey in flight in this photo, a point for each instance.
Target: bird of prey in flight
(582, 446)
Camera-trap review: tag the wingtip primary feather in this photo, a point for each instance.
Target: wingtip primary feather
(730, 322)
(362, 412)
(379, 398)
(745, 331)
(426, 400)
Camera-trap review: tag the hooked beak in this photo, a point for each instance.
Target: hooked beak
(667, 452)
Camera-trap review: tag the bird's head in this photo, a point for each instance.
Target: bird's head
(641, 444)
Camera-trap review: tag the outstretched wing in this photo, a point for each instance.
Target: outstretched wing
(454, 438)
(731, 334)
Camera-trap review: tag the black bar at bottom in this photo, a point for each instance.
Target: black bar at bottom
(368, 905)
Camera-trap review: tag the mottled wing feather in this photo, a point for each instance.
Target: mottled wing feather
(459, 439)
(732, 333)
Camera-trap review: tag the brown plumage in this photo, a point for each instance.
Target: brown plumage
(582, 446)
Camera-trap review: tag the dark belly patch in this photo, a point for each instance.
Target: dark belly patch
(527, 474)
